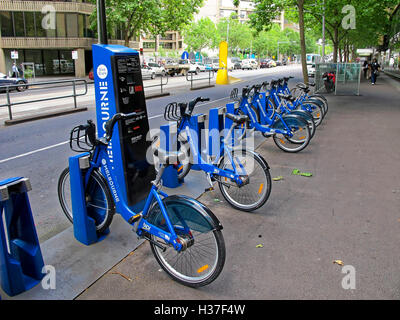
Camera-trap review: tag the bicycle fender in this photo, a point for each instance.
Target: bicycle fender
(316, 101)
(260, 157)
(289, 119)
(206, 217)
(319, 96)
(304, 114)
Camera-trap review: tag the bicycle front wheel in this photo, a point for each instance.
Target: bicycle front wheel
(99, 203)
(255, 192)
(203, 255)
(300, 131)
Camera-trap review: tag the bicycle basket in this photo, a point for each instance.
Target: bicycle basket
(173, 112)
(83, 137)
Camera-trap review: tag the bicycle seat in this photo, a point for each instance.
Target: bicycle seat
(239, 119)
(169, 157)
(286, 97)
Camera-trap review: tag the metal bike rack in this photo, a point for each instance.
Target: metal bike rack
(21, 260)
(170, 175)
(84, 226)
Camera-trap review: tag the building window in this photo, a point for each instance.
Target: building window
(166, 45)
(81, 25)
(35, 56)
(30, 24)
(72, 25)
(6, 24)
(60, 18)
(149, 45)
(19, 26)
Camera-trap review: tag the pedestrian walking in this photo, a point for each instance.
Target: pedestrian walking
(365, 68)
(15, 72)
(375, 68)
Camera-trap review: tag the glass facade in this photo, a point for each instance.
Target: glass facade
(30, 24)
(47, 62)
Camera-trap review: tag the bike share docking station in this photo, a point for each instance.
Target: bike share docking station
(118, 89)
(21, 260)
(208, 131)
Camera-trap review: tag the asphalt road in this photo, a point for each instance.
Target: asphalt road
(39, 150)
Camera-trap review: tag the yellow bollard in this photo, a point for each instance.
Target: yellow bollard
(222, 74)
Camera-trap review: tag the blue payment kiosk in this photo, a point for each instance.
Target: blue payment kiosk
(119, 88)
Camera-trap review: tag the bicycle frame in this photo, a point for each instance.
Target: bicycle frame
(99, 160)
(206, 166)
(265, 122)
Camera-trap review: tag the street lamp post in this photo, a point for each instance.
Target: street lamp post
(101, 22)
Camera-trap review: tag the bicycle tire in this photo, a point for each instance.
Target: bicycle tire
(296, 123)
(102, 216)
(323, 100)
(317, 111)
(259, 183)
(182, 168)
(206, 268)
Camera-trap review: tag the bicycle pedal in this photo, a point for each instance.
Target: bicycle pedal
(134, 218)
(209, 189)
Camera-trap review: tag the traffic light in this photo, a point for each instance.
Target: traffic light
(141, 51)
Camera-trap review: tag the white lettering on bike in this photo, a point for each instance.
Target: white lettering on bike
(111, 182)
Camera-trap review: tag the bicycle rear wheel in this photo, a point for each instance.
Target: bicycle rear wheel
(203, 255)
(255, 193)
(99, 203)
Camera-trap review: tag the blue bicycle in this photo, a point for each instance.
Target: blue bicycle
(184, 235)
(290, 132)
(243, 175)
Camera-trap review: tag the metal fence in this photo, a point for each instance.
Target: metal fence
(161, 85)
(192, 79)
(348, 76)
(74, 83)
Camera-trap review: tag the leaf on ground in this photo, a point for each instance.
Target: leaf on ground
(259, 246)
(122, 275)
(297, 172)
(339, 262)
(277, 178)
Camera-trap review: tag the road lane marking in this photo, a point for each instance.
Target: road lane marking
(65, 142)
(34, 151)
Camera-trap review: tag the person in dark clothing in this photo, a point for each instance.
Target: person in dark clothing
(365, 68)
(375, 67)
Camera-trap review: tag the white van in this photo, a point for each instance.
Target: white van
(249, 64)
(312, 59)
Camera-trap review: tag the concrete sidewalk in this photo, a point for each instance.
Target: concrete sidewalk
(348, 210)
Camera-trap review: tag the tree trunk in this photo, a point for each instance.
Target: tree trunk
(300, 4)
(335, 45)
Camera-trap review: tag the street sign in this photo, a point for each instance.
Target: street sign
(185, 55)
(74, 55)
(14, 55)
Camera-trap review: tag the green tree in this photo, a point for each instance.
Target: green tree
(201, 34)
(153, 17)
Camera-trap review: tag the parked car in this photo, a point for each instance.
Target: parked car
(148, 72)
(7, 81)
(271, 63)
(159, 70)
(264, 63)
(197, 67)
(237, 65)
(249, 64)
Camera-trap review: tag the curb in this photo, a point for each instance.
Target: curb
(44, 115)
